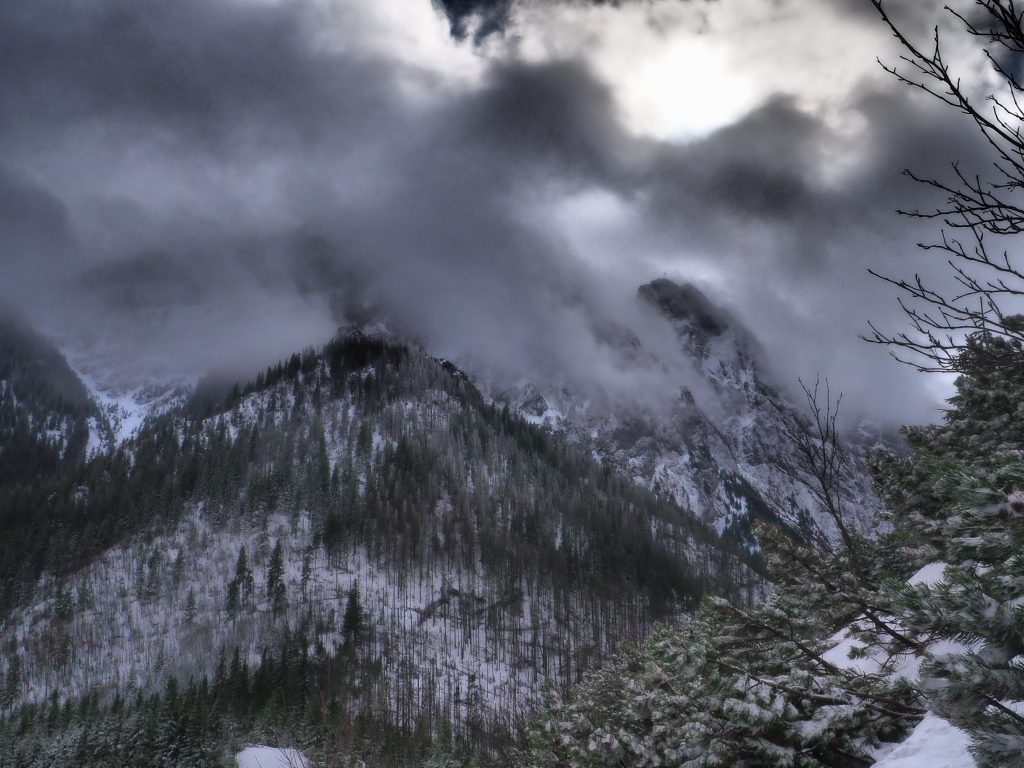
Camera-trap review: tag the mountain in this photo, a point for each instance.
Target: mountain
(720, 448)
(355, 537)
(368, 550)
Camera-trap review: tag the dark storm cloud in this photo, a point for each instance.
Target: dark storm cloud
(197, 73)
(487, 17)
(772, 169)
(217, 161)
(555, 116)
(32, 219)
(36, 236)
(763, 201)
(183, 104)
(760, 202)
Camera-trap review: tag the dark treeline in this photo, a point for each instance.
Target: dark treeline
(43, 406)
(298, 693)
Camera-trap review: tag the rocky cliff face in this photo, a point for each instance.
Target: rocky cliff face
(720, 449)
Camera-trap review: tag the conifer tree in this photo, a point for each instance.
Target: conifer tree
(352, 623)
(11, 683)
(244, 578)
(275, 581)
(231, 602)
(976, 679)
(307, 572)
(241, 587)
(963, 489)
(152, 584)
(190, 607)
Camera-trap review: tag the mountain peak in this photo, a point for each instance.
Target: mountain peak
(685, 302)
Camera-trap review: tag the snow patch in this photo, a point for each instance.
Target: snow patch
(929, 575)
(934, 743)
(271, 757)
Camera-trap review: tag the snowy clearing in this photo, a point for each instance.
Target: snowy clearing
(271, 757)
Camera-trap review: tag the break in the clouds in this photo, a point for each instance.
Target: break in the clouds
(216, 182)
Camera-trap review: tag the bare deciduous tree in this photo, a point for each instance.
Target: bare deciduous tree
(820, 460)
(980, 209)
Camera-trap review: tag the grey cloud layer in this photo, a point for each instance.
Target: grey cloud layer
(247, 170)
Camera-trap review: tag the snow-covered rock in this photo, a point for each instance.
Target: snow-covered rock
(124, 398)
(719, 448)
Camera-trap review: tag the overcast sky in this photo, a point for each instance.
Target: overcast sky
(496, 177)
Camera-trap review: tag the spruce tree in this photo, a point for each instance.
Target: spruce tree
(190, 607)
(352, 623)
(244, 578)
(975, 679)
(11, 683)
(275, 580)
(958, 499)
(307, 572)
(231, 602)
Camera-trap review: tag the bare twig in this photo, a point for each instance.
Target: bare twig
(941, 323)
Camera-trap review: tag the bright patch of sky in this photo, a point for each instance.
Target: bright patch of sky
(678, 70)
(682, 70)
(415, 34)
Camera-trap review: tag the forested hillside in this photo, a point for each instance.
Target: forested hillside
(354, 544)
(43, 406)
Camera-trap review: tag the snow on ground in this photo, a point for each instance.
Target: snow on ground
(124, 403)
(903, 665)
(934, 743)
(930, 574)
(271, 757)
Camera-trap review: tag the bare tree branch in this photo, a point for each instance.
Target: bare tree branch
(943, 323)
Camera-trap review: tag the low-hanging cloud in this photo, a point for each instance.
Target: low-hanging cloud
(238, 174)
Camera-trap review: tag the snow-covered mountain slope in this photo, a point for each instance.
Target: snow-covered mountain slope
(488, 556)
(719, 449)
(124, 398)
(498, 535)
(712, 437)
